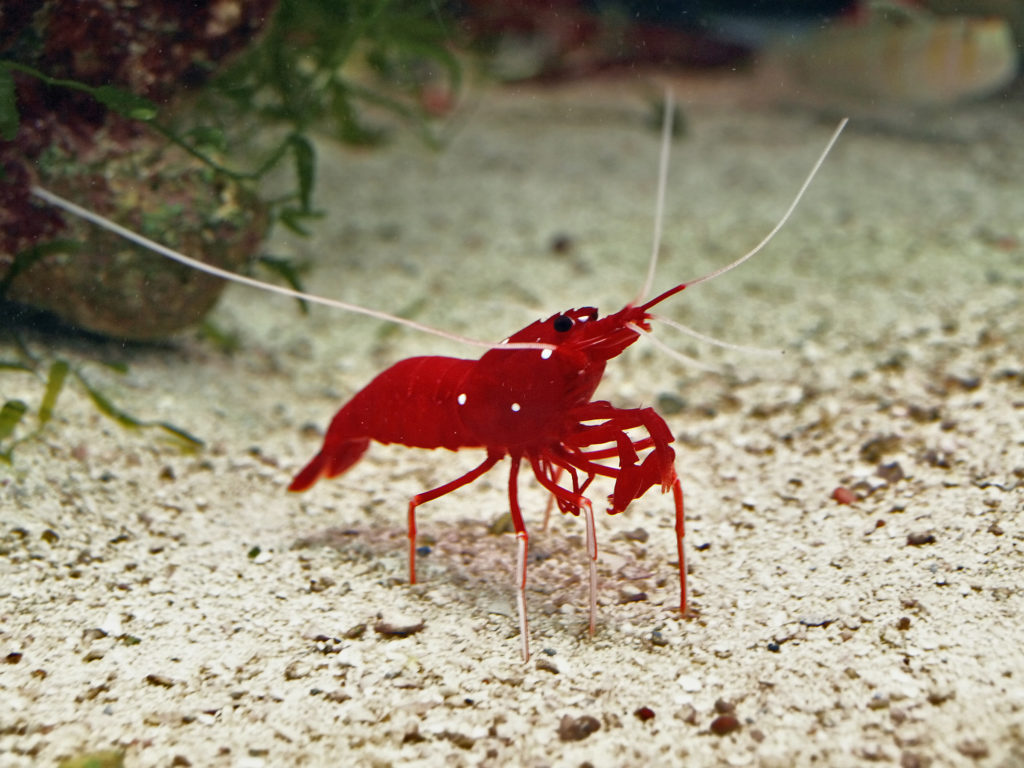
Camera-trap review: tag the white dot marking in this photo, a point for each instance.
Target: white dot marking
(515, 407)
(462, 399)
(545, 354)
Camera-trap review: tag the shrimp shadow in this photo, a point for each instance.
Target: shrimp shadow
(480, 563)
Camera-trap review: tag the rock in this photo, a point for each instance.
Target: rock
(69, 142)
(577, 728)
(105, 284)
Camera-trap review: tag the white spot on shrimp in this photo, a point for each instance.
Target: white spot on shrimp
(545, 354)
(461, 399)
(516, 407)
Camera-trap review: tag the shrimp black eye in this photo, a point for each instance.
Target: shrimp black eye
(563, 323)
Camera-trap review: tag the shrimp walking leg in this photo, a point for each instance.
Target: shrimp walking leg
(441, 490)
(677, 495)
(522, 545)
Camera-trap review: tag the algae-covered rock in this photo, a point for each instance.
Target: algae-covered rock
(97, 280)
(62, 54)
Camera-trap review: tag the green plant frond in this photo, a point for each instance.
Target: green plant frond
(14, 365)
(54, 385)
(226, 341)
(123, 102)
(13, 411)
(10, 415)
(8, 106)
(287, 271)
(105, 406)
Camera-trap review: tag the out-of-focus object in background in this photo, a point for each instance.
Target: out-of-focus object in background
(1010, 10)
(565, 39)
(896, 54)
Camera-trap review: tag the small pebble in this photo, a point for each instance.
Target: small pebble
(397, 630)
(561, 244)
(687, 714)
(940, 459)
(547, 665)
(321, 584)
(724, 707)
(637, 534)
(724, 725)
(577, 728)
(874, 449)
(355, 632)
(460, 740)
(630, 595)
(261, 558)
(891, 472)
(844, 495)
(920, 538)
(976, 749)
(670, 403)
(643, 714)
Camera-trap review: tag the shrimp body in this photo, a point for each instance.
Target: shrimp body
(532, 405)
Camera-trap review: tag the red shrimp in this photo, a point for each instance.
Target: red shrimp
(528, 398)
(530, 405)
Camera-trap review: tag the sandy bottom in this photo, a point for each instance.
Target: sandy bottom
(185, 609)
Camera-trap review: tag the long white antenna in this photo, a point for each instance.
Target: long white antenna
(785, 217)
(689, 362)
(659, 205)
(145, 242)
(767, 238)
(711, 339)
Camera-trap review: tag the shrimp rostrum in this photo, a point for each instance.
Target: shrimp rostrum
(528, 398)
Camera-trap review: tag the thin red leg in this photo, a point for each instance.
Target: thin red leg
(551, 500)
(441, 490)
(677, 495)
